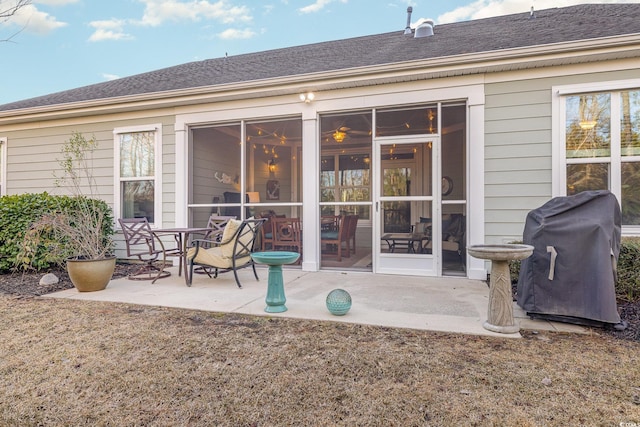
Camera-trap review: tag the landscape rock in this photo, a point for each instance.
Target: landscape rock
(49, 279)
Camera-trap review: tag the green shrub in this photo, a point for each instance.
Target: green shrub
(514, 270)
(514, 266)
(628, 286)
(19, 212)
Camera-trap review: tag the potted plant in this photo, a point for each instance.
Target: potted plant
(79, 231)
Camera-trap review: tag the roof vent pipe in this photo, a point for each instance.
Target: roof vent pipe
(407, 29)
(425, 29)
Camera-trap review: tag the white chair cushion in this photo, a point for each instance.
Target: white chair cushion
(221, 256)
(229, 231)
(215, 258)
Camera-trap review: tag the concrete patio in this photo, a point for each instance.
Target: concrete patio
(449, 304)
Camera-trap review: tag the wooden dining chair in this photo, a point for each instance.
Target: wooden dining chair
(329, 222)
(353, 227)
(335, 238)
(287, 234)
(266, 231)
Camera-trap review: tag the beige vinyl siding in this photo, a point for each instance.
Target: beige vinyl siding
(168, 171)
(517, 155)
(518, 148)
(32, 154)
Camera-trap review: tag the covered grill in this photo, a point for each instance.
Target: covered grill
(571, 275)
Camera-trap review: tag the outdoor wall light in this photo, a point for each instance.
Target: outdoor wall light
(307, 97)
(272, 165)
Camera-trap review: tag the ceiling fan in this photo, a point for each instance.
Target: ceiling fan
(340, 133)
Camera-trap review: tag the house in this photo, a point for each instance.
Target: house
(436, 138)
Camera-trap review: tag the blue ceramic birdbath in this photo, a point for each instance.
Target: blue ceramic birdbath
(275, 287)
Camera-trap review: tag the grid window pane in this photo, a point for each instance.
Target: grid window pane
(137, 156)
(584, 177)
(138, 199)
(630, 123)
(588, 126)
(631, 193)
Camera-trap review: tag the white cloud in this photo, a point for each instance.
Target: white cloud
(109, 30)
(35, 21)
(54, 2)
(486, 8)
(317, 6)
(159, 11)
(110, 77)
(404, 3)
(234, 34)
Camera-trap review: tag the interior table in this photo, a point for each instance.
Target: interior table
(275, 286)
(407, 240)
(181, 236)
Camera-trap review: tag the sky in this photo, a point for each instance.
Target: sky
(55, 45)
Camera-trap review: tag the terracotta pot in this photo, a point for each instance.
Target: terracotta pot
(89, 275)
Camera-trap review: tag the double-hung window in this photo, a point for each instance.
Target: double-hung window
(599, 143)
(138, 171)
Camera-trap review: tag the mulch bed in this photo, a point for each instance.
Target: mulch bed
(26, 285)
(629, 312)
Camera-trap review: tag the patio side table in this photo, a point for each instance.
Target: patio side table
(275, 286)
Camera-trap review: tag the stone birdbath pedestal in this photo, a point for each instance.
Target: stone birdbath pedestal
(275, 287)
(500, 312)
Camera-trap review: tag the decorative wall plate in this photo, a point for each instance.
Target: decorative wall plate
(447, 185)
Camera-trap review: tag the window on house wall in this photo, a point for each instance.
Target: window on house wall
(602, 147)
(630, 159)
(137, 173)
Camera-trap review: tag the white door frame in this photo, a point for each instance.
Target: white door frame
(404, 263)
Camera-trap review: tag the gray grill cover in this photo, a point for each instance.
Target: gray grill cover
(584, 231)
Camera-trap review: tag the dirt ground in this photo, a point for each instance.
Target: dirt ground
(81, 363)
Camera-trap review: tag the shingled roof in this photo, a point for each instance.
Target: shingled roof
(583, 22)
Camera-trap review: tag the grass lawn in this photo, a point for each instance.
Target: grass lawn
(65, 362)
